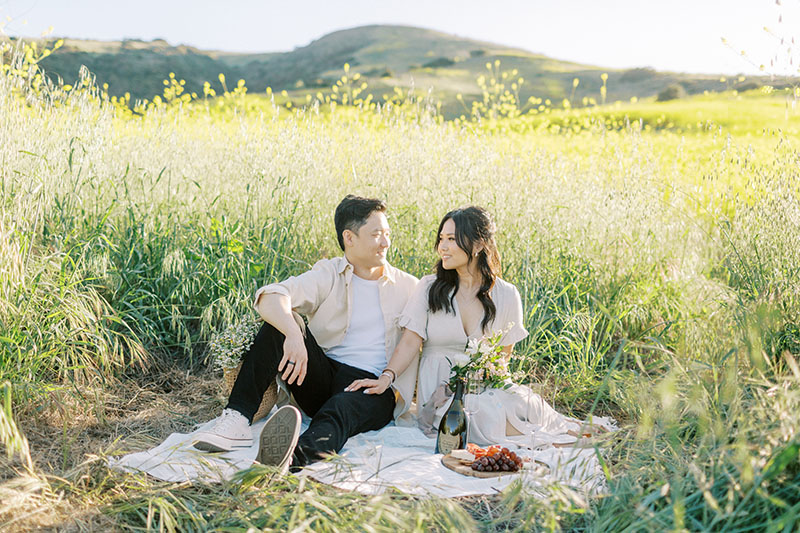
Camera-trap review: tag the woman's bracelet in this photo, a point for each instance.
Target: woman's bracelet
(391, 373)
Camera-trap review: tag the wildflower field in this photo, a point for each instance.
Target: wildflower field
(655, 246)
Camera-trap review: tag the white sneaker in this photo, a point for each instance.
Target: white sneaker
(232, 430)
(279, 438)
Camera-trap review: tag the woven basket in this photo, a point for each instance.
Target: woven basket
(267, 402)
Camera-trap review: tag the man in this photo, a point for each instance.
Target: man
(352, 304)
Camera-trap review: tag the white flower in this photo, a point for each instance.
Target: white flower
(461, 359)
(485, 346)
(472, 346)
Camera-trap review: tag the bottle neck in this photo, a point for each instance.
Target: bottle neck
(459, 392)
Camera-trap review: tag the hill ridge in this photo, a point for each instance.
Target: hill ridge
(386, 57)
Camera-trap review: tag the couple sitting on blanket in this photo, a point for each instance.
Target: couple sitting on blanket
(354, 368)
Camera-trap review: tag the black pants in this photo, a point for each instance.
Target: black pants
(336, 415)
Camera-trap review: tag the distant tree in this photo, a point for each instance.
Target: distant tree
(638, 74)
(672, 92)
(439, 62)
(380, 72)
(748, 86)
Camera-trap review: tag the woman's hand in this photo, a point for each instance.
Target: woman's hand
(371, 386)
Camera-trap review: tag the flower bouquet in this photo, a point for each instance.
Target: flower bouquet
(227, 346)
(486, 362)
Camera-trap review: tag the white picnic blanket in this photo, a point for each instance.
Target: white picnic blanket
(399, 457)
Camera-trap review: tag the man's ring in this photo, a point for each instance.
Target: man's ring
(290, 362)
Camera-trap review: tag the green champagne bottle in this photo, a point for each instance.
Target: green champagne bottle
(453, 427)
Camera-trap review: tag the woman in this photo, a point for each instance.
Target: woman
(465, 300)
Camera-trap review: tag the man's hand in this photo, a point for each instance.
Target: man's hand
(294, 363)
(371, 386)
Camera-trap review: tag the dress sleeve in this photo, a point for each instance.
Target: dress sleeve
(415, 314)
(512, 313)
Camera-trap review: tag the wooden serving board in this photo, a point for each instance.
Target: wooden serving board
(465, 469)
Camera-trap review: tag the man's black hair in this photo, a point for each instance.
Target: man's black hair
(353, 212)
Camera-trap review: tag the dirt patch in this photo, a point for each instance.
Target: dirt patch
(67, 426)
(71, 431)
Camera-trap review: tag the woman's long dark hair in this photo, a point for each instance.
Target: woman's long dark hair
(474, 228)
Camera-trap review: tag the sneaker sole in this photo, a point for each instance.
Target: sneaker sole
(210, 447)
(279, 438)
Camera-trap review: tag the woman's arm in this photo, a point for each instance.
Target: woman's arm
(404, 353)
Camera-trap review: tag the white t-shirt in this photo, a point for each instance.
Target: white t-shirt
(363, 346)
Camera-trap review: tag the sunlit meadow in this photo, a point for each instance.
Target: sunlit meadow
(655, 246)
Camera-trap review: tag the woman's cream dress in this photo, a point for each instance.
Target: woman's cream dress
(444, 343)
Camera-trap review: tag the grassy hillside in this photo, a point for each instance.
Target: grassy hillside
(386, 57)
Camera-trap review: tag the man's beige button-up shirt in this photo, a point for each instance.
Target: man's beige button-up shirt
(323, 295)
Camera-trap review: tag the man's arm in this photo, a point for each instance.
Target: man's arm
(276, 309)
(277, 301)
